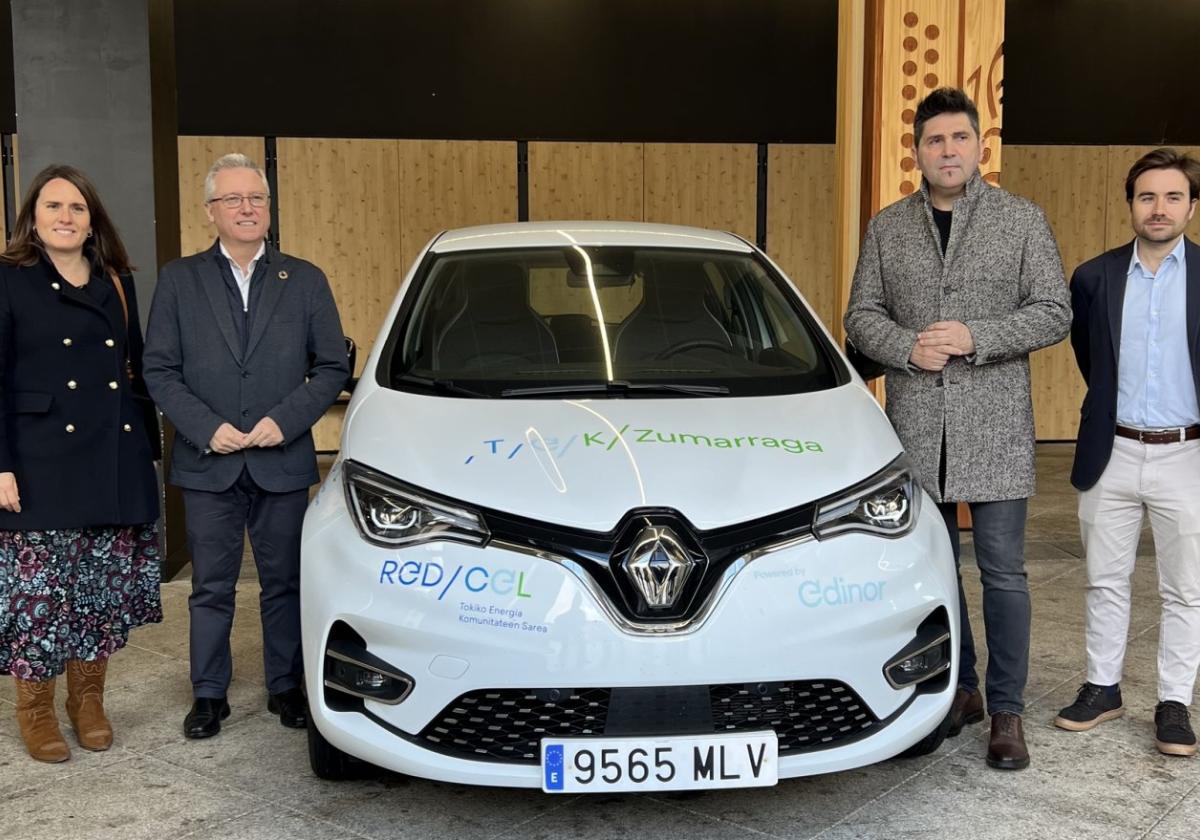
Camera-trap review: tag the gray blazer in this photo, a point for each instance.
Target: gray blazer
(1003, 278)
(294, 368)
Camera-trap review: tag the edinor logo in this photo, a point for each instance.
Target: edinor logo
(815, 592)
(606, 441)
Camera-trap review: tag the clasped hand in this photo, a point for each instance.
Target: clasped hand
(940, 341)
(227, 439)
(10, 497)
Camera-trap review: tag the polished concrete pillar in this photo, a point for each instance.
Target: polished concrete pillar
(82, 81)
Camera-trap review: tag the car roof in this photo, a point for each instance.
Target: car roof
(550, 234)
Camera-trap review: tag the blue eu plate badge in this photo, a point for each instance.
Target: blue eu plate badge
(552, 765)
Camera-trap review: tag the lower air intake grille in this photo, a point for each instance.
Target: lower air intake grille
(508, 724)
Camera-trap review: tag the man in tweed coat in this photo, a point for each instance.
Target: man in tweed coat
(956, 284)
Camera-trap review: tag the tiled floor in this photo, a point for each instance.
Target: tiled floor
(253, 781)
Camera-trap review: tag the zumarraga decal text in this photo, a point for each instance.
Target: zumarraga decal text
(606, 441)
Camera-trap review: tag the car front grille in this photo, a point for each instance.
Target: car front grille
(508, 724)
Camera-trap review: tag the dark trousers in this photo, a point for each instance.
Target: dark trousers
(999, 536)
(216, 525)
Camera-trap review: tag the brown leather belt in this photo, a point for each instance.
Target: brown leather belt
(1159, 435)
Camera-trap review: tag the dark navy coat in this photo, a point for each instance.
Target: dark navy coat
(77, 432)
(1098, 301)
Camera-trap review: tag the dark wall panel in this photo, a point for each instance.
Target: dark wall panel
(8, 96)
(1108, 72)
(667, 70)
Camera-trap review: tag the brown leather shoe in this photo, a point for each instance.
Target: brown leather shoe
(967, 708)
(85, 704)
(37, 722)
(1006, 746)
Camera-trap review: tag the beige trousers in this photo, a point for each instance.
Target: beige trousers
(1163, 480)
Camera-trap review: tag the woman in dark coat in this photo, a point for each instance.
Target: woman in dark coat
(79, 551)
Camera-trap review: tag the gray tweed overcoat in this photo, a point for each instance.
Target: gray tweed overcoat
(1003, 278)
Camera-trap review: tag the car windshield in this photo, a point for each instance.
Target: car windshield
(605, 322)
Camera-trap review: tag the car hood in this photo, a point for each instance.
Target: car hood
(586, 462)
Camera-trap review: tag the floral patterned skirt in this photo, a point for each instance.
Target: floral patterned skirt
(74, 594)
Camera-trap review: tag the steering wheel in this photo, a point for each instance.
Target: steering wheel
(692, 344)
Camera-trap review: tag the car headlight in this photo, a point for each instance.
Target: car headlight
(391, 514)
(886, 504)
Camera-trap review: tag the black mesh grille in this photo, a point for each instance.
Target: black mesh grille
(508, 724)
(805, 715)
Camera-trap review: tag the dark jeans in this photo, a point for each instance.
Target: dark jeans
(999, 535)
(216, 525)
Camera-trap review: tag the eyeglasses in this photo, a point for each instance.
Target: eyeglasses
(233, 201)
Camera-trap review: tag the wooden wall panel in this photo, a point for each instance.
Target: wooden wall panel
(1120, 159)
(339, 207)
(585, 181)
(709, 185)
(449, 184)
(800, 228)
(1070, 184)
(848, 173)
(196, 155)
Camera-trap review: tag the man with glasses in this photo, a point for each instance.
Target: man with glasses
(244, 353)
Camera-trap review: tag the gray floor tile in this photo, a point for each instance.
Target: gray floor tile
(1182, 822)
(270, 823)
(619, 817)
(124, 800)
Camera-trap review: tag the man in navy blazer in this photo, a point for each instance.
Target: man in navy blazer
(244, 353)
(1136, 336)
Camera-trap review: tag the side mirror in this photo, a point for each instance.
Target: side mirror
(867, 367)
(351, 359)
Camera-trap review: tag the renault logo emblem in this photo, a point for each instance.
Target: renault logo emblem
(658, 566)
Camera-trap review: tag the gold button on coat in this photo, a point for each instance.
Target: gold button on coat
(67, 342)
(108, 342)
(127, 427)
(70, 428)
(72, 384)
(55, 286)
(112, 385)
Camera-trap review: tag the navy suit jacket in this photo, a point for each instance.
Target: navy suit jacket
(292, 370)
(1097, 300)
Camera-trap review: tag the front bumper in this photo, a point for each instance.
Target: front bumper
(463, 620)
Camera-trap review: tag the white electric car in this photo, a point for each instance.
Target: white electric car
(613, 513)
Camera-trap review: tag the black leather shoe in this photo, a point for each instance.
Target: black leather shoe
(204, 720)
(291, 707)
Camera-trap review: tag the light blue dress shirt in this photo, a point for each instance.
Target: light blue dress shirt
(1155, 388)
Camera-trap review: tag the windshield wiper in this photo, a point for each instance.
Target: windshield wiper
(618, 388)
(440, 386)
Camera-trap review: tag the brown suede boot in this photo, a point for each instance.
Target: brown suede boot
(85, 703)
(37, 722)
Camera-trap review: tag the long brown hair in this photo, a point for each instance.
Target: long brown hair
(103, 248)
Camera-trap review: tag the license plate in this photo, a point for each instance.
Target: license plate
(582, 765)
